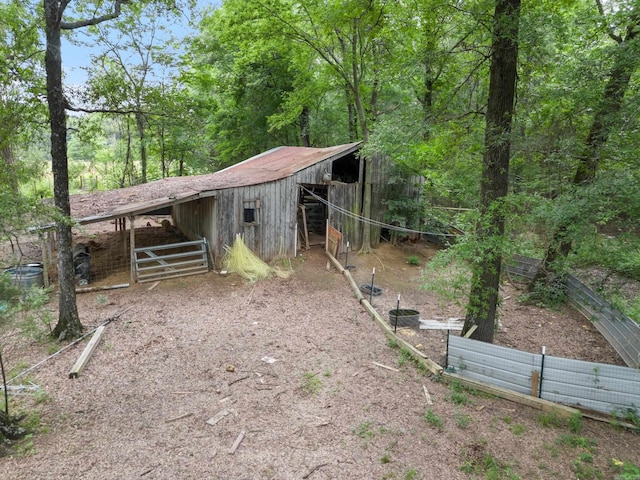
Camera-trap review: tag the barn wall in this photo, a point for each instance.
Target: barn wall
(345, 195)
(196, 219)
(273, 233)
(380, 165)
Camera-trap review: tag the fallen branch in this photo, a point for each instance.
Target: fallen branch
(236, 444)
(427, 396)
(317, 467)
(185, 415)
(238, 380)
(384, 366)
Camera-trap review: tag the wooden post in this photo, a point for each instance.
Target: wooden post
(132, 247)
(44, 250)
(535, 383)
(86, 354)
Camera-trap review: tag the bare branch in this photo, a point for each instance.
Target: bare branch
(612, 34)
(95, 20)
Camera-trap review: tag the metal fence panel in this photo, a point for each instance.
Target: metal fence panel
(596, 386)
(493, 364)
(620, 331)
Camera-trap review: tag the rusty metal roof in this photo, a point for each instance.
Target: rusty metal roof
(275, 164)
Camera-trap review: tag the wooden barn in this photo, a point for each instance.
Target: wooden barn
(279, 200)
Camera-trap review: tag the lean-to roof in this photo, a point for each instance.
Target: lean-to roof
(270, 166)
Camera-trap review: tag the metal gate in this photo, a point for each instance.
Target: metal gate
(173, 260)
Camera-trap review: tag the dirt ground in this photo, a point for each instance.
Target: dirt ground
(209, 377)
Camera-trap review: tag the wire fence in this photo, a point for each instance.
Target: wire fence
(600, 387)
(620, 331)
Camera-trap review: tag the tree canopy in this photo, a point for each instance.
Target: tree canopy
(411, 78)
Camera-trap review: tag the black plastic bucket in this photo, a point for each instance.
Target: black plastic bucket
(404, 317)
(26, 276)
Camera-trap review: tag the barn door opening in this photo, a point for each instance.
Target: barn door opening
(312, 215)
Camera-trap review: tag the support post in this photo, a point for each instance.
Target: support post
(132, 247)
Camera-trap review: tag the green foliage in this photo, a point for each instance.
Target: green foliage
(575, 441)
(413, 260)
(584, 470)
(625, 470)
(311, 384)
(433, 419)
(518, 429)
(462, 420)
(448, 275)
(405, 356)
(481, 462)
(630, 415)
(575, 423)
(411, 474)
(364, 431)
(551, 419)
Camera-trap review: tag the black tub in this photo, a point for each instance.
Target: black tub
(404, 317)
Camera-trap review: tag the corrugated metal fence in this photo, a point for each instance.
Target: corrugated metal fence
(601, 387)
(596, 386)
(620, 331)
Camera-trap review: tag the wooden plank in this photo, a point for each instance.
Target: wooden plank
(427, 396)
(449, 324)
(334, 240)
(86, 354)
(236, 444)
(354, 286)
(470, 331)
(385, 366)
(219, 416)
(533, 402)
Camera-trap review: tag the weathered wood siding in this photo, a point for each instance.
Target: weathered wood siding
(345, 195)
(220, 217)
(196, 219)
(380, 165)
(274, 230)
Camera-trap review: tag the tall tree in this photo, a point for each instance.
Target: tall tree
(626, 59)
(123, 75)
(349, 39)
(68, 325)
(20, 79)
(485, 282)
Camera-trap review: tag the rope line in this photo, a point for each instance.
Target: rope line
(370, 221)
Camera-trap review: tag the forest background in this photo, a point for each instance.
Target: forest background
(411, 78)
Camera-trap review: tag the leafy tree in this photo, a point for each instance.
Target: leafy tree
(349, 38)
(20, 84)
(606, 117)
(128, 72)
(485, 282)
(68, 325)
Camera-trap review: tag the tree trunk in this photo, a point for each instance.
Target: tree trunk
(352, 117)
(485, 282)
(143, 146)
(68, 325)
(606, 117)
(304, 127)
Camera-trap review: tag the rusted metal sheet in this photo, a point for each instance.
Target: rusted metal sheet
(270, 166)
